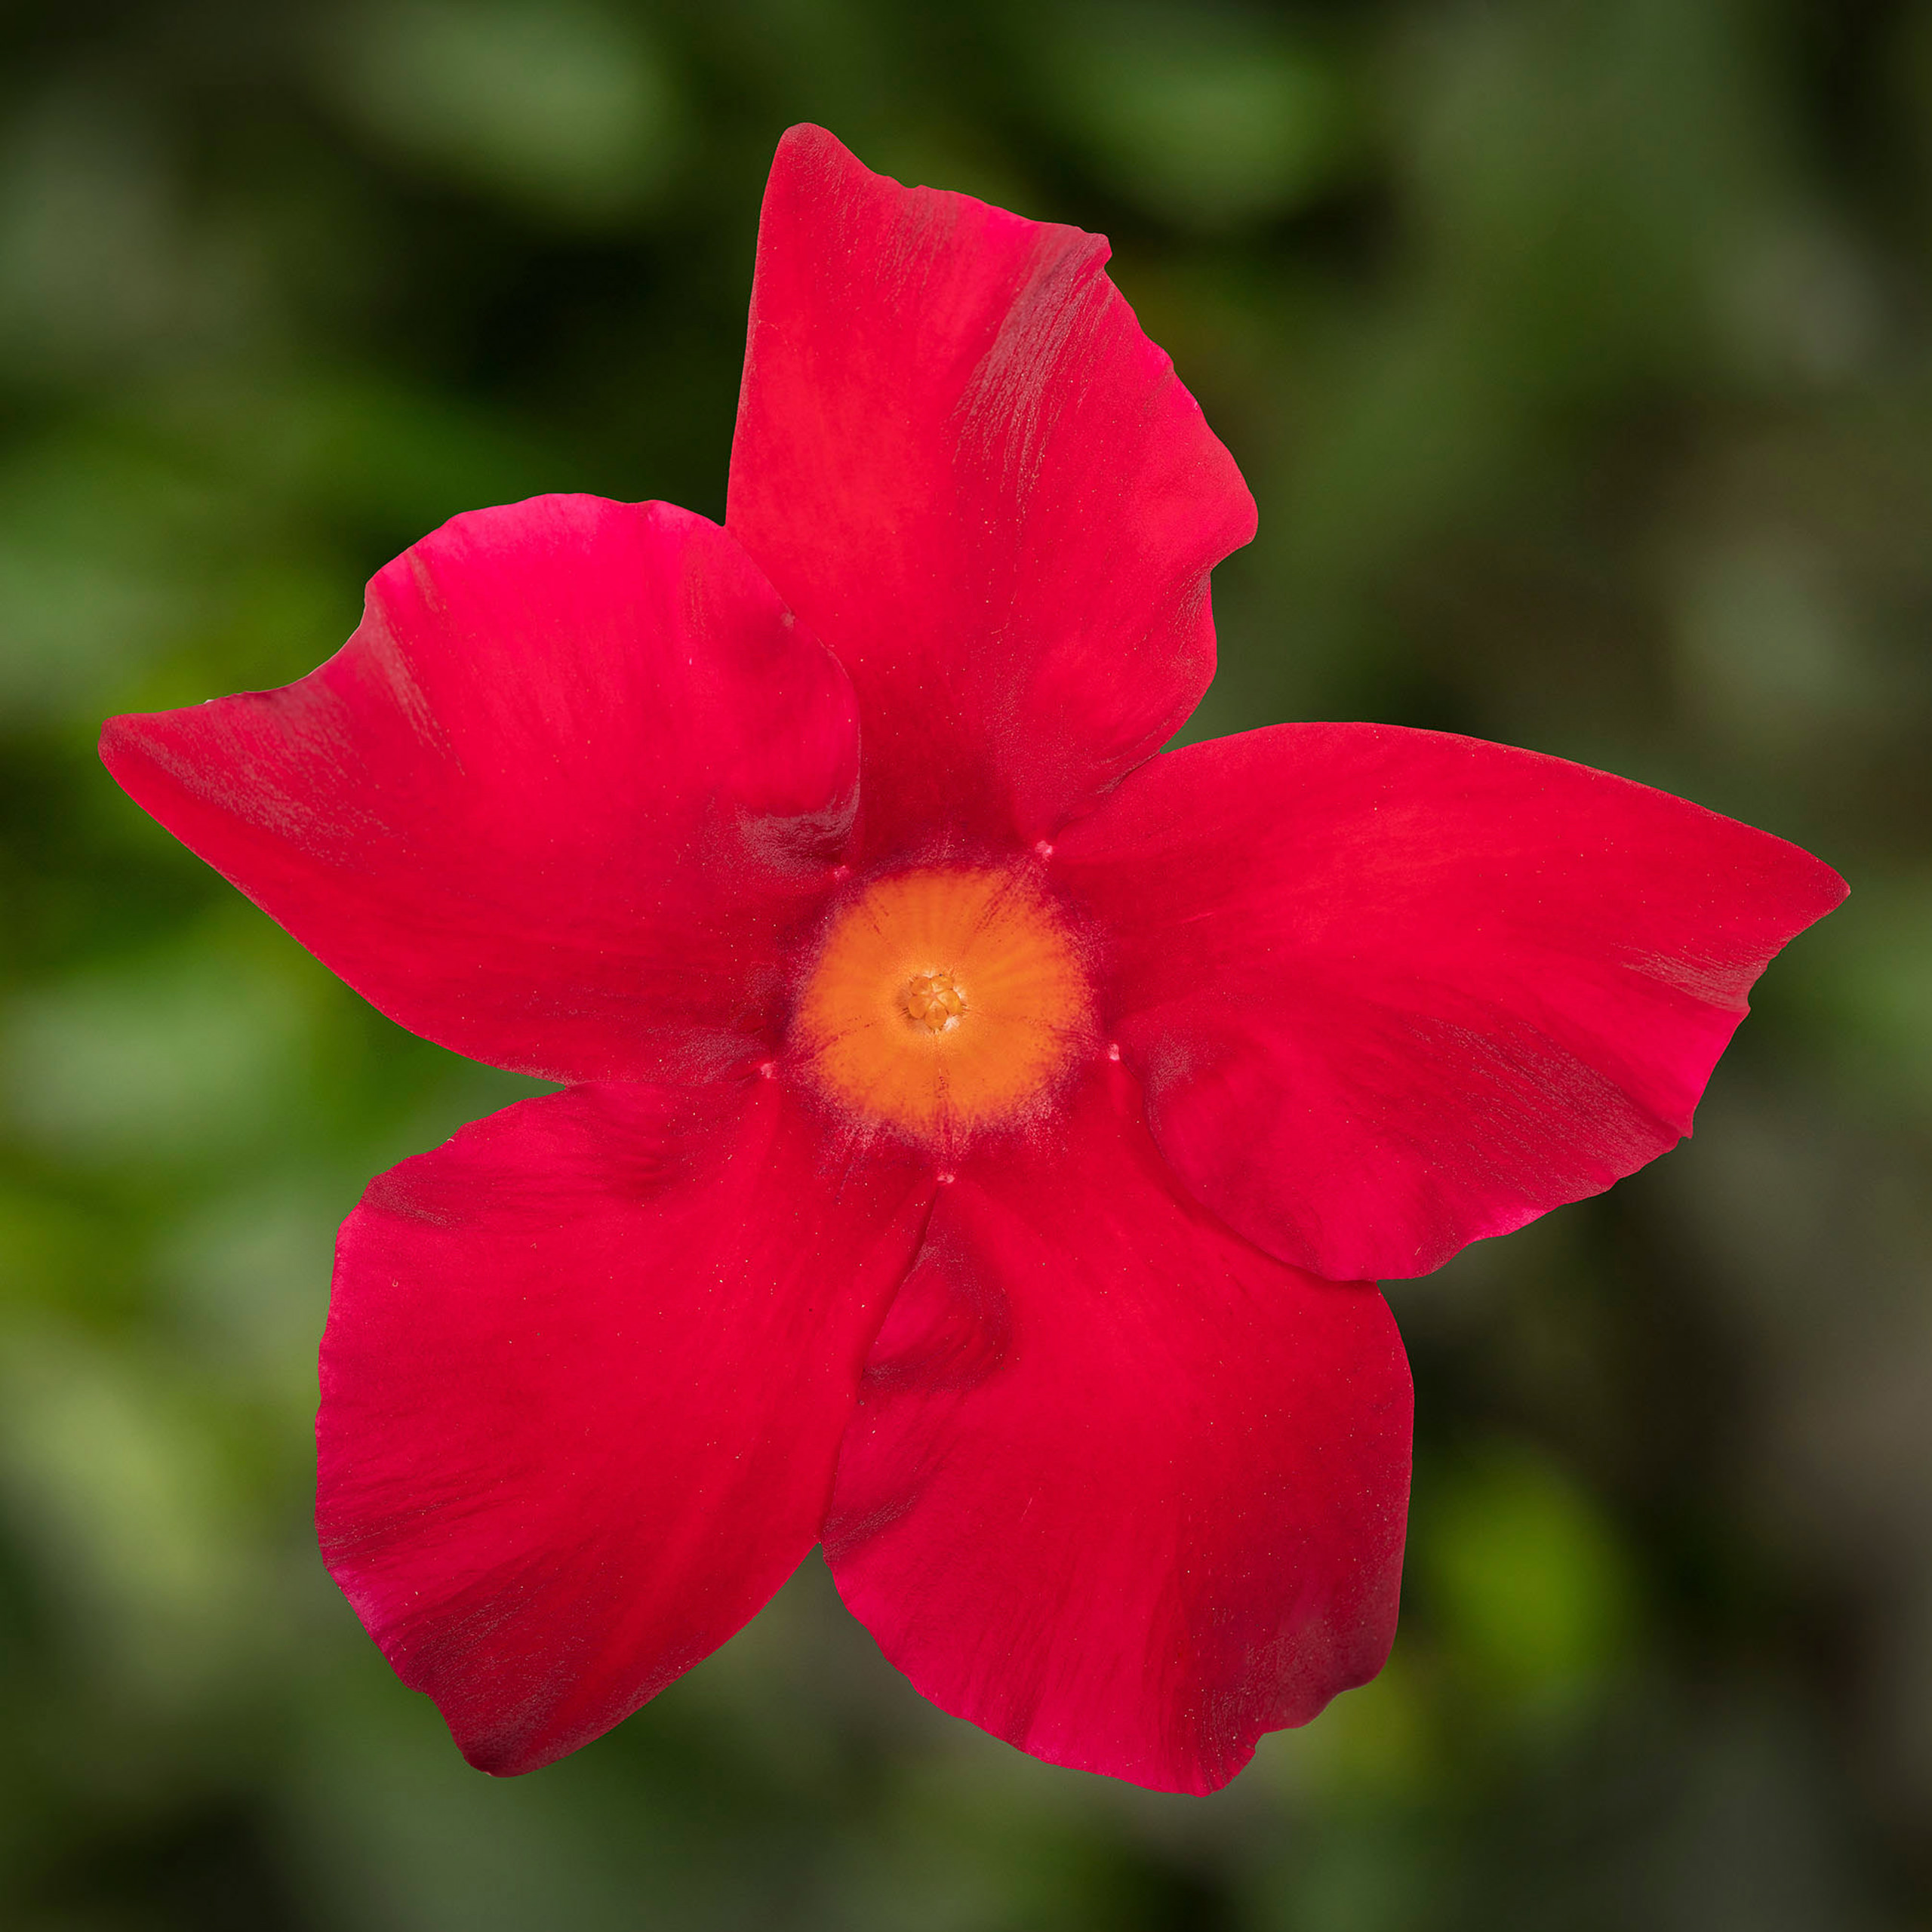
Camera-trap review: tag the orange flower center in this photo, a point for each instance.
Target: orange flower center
(943, 1001)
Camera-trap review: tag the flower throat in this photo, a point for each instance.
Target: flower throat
(943, 1001)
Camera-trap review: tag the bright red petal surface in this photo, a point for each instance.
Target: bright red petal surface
(584, 1382)
(963, 464)
(554, 801)
(1121, 1488)
(1391, 991)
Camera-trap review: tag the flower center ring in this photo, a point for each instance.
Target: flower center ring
(942, 1001)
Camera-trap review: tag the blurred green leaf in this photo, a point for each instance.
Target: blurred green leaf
(126, 1488)
(1209, 117)
(1533, 1591)
(180, 1057)
(564, 104)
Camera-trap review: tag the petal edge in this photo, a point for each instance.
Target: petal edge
(1121, 1488)
(963, 464)
(551, 805)
(1393, 991)
(586, 1372)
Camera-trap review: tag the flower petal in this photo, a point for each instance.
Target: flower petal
(963, 464)
(1120, 1487)
(553, 801)
(1391, 991)
(583, 1382)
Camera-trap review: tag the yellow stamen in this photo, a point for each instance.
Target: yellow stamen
(934, 1002)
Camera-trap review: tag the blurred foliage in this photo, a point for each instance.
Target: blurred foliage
(1578, 352)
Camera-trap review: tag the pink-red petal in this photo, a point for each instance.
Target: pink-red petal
(552, 805)
(962, 463)
(1391, 991)
(1120, 1487)
(584, 1382)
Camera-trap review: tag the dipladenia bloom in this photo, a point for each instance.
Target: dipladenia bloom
(981, 1134)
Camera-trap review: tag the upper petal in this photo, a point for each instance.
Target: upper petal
(553, 802)
(1120, 1487)
(583, 1382)
(1391, 990)
(961, 462)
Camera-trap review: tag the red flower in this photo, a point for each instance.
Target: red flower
(980, 1133)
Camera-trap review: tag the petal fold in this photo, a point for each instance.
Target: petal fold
(1120, 1487)
(965, 466)
(584, 1382)
(1391, 991)
(555, 801)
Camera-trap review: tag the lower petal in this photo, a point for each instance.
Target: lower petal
(583, 1383)
(1120, 1487)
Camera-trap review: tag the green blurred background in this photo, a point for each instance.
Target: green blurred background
(1579, 353)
